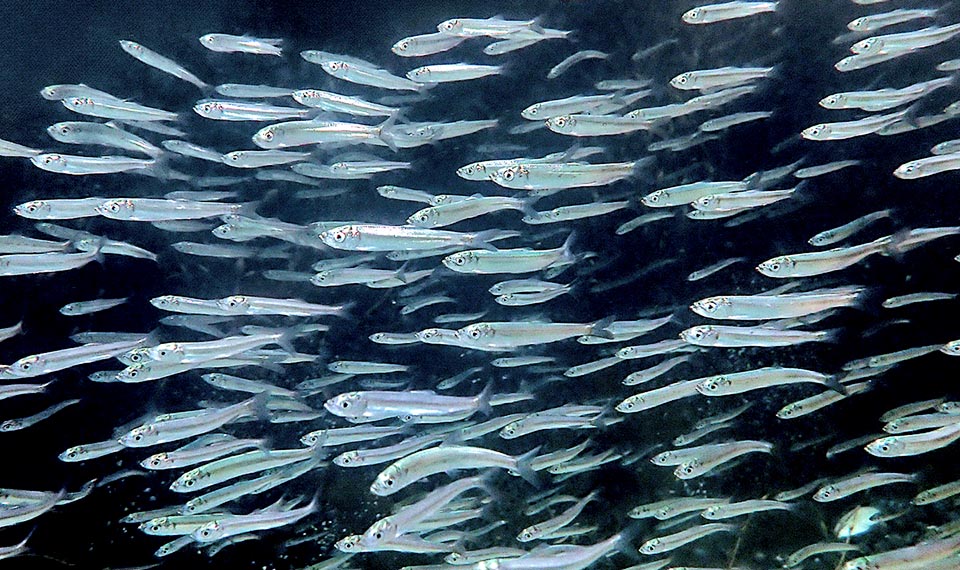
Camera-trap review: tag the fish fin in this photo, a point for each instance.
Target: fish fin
(402, 272)
(639, 165)
(524, 469)
(483, 239)
(833, 382)
(384, 134)
(249, 209)
(258, 405)
(566, 249)
(483, 400)
(599, 328)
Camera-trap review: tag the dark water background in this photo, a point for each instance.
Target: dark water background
(46, 42)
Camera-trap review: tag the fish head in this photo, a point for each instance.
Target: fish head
(529, 533)
(461, 261)
(209, 40)
(708, 307)
(712, 513)
(505, 176)
(473, 171)
(816, 132)
(949, 407)
(169, 302)
(72, 454)
(858, 25)
(210, 532)
(511, 430)
(662, 458)
(402, 46)
(688, 470)
(269, 137)
(630, 404)
(683, 81)
(909, 170)
(700, 335)
(140, 437)
(27, 365)
(335, 67)
(237, 304)
(348, 459)
(419, 74)
(506, 299)
(650, 546)
(170, 352)
(532, 112)
(234, 158)
(885, 447)
(50, 162)
(868, 46)
(653, 199)
(821, 239)
(476, 332)
(694, 16)
(714, 384)
(342, 237)
(425, 218)
(389, 481)
(188, 480)
(561, 123)
(384, 530)
(952, 348)
(350, 404)
(349, 543)
(62, 132)
(133, 372)
(155, 461)
(835, 101)
(193, 505)
(314, 438)
(35, 209)
(826, 493)
(663, 512)
(789, 411)
(777, 266)
(209, 109)
(133, 356)
(705, 203)
(133, 48)
(452, 26)
(117, 209)
(154, 526)
(11, 425)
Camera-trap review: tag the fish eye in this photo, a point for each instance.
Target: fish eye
(474, 334)
(339, 237)
(508, 175)
(344, 404)
(65, 130)
(709, 306)
(459, 260)
(389, 482)
(559, 121)
(681, 79)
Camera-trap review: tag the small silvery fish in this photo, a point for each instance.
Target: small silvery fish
(712, 13)
(160, 62)
(227, 43)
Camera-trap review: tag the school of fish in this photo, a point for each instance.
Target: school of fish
(288, 412)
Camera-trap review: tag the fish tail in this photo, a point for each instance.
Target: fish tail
(483, 400)
(600, 328)
(833, 382)
(524, 468)
(258, 405)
